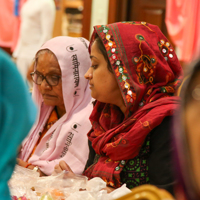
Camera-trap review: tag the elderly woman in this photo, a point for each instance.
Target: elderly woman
(133, 77)
(17, 115)
(63, 97)
(186, 135)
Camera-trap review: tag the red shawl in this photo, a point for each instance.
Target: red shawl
(148, 74)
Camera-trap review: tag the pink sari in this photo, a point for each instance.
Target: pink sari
(67, 138)
(7, 20)
(182, 20)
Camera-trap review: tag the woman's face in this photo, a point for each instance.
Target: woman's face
(192, 125)
(103, 84)
(48, 65)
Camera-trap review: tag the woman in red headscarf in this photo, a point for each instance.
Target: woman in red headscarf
(134, 76)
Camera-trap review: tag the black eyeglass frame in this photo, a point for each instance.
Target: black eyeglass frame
(43, 77)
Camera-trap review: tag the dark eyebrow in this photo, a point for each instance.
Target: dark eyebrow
(93, 57)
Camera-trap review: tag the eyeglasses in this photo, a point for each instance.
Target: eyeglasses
(38, 78)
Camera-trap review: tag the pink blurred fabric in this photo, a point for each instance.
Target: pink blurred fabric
(7, 20)
(16, 27)
(9, 24)
(183, 25)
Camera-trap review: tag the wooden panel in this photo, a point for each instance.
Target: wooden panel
(112, 13)
(87, 4)
(73, 4)
(152, 3)
(151, 11)
(153, 16)
(117, 11)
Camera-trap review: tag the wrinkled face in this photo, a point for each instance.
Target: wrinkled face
(192, 125)
(48, 65)
(103, 84)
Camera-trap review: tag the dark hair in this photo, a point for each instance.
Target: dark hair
(103, 51)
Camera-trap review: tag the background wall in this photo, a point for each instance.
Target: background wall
(99, 14)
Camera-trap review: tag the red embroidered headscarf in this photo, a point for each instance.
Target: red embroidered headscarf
(148, 74)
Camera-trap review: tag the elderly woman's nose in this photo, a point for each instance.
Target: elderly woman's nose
(88, 74)
(45, 84)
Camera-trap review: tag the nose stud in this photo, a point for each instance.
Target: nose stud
(47, 85)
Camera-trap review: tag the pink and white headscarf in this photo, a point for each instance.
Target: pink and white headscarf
(67, 138)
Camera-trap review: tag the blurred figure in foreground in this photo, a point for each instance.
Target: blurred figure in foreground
(17, 114)
(187, 135)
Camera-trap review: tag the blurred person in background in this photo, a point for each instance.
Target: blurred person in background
(182, 20)
(37, 22)
(18, 4)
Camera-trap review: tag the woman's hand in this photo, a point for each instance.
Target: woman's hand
(109, 189)
(24, 164)
(21, 163)
(62, 166)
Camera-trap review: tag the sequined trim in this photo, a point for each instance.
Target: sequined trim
(117, 63)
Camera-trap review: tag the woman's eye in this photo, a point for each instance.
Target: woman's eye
(94, 66)
(39, 75)
(54, 77)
